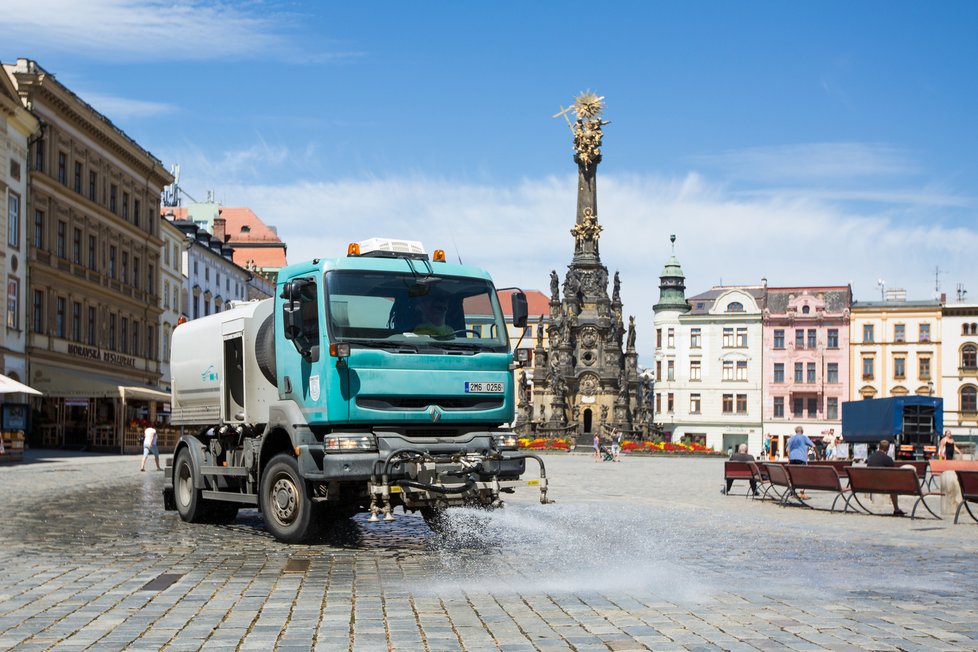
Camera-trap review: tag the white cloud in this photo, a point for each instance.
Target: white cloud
(123, 108)
(521, 232)
(156, 30)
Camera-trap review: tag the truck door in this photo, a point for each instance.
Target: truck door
(234, 410)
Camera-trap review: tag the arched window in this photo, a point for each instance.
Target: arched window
(969, 356)
(805, 310)
(969, 399)
(735, 306)
(964, 328)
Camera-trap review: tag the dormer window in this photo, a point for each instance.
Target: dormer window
(735, 306)
(245, 228)
(805, 310)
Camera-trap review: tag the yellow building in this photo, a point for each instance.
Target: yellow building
(894, 347)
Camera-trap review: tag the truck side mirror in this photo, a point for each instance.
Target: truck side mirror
(298, 327)
(520, 310)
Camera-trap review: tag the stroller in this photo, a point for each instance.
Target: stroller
(606, 455)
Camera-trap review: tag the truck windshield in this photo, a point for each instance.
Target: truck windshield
(385, 308)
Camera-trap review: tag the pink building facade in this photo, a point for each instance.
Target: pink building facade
(806, 362)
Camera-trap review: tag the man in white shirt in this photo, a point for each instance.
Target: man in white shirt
(149, 446)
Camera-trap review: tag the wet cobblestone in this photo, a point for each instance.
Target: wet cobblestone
(645, 554)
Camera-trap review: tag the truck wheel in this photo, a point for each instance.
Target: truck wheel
(190, 505)
(285, 501)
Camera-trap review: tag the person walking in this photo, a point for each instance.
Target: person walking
(947, 449)
(798, 447)
(597, 447)
(149, 446)
(616, 445)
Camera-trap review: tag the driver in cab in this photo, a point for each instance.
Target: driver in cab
(433, 309)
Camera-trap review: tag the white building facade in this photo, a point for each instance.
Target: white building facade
(959, 370)
(172, 283)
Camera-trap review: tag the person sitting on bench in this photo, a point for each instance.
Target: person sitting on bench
(742, 456)
(881, 457)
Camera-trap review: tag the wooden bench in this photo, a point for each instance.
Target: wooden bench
(762, 481)
(777, 477)
(937, 467)
(887, 480)
(815, 477)
(968, 481)
(733, 471)
(841, 466)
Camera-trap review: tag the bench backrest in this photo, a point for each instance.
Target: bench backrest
(968, 481)
(919, 465)
(840, 466)
(814, 476)
(736, 470)
(776, 474)
(759, 473)
(879, 479)
(938, 467)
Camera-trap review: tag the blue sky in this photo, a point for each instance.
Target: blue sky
(816, 143)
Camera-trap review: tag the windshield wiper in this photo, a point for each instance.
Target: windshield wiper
(383, 344)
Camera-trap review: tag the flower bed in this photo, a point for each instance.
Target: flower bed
(647, 447)
(550, 444)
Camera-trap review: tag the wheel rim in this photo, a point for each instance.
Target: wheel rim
(185, 485)
(284, 499)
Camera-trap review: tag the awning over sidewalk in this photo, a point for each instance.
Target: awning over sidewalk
(11, 386)
(65, 382)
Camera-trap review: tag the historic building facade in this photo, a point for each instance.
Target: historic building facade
(709, 365)
(584, 383)
(93, 248)
(18, 127)
(959, 369)
(806, 360)
(895, 347)
(172, 282)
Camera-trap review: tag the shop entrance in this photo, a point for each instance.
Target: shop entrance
(732, 441)
(76, 419)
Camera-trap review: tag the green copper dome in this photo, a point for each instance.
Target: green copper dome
(672, 286)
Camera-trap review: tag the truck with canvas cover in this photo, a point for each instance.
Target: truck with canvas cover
(912, 423)
(371, 381)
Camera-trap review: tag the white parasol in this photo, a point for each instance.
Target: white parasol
(11, 386)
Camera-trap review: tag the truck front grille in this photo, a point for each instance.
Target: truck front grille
(421, 403)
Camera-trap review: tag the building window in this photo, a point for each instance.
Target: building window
(39, 155)
(76, 240)
(742, 338)
(136, 207)
(78, 177)
(91, 252)
(124, 335)
(969, 357)
(151, 283)
(832, 408)
(135, 338)
(868, 369)
(728, 403)
(62, 235)
(798, 407)
(695, 338)
(39, 229)
(741, 370)
(867, 333)
(899, 367)
(112, 332)
(671, 370)
(779, 406)
(778, 372)
(658, 369)
(37, 309)
(93, 185)
(694, 370)
(13, 303)
(91, 332)
(812, 338)
(658, 331)
(113, 198)
(812, 408)
(151, 343)
(670, 333)
(735, 306)
(799, 372)
(75, 321)
(728, 337)
(196, 306)
(62, 168)
(833, 372)
(670, 403)
(969, 399)
(207, 274)
(207, 306)
(125, 205)
(899, 332)
(658, 402)
(13, 220)
(924, 333)
(135, 272)
(741, 403)
(695, 404)
(728, 370)
(799, 338)
(924, 364)
(832, 339)
(59, 318)
(779, 338)
(805, 310)
(810, 373)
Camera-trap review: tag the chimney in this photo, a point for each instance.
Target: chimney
(220, 225)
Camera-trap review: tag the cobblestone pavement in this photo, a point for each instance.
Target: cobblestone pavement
(645, 554)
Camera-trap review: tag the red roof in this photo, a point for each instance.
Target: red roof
(537, 302)
(252, 239)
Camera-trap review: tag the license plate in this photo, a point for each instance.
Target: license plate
(483, 388)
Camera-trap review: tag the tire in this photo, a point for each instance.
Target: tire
(285, 502)
(190, 504)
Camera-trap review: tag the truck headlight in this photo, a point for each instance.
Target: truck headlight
(337, 443)
(506, 441)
